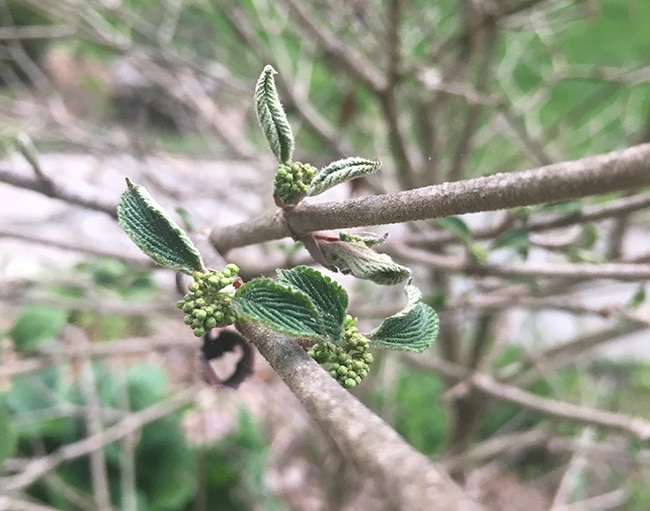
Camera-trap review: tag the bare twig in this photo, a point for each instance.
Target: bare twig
(567, 271)
(76, 197)
(134, 422)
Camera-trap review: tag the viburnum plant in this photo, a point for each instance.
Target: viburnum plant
(302, 302)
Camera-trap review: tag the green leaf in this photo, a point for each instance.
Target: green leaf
(271, 116)
(340, 171)
(516, 239)
(7, 436)
(637, 298)
(329, 298)
(412, 329)
(280, 308)
(36, 324)
(363, 262)
(155, 232)
(456, 226)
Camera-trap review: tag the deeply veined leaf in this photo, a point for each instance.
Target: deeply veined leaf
(155, 232)
(272, 117)
(36, 324)
(329, 298)
(363, 262)
(280, 308)
(412, 329)
(340, 171)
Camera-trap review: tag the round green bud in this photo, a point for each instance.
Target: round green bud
(199, 313)
(358, 364)
(349, 383)
(368, 358)
(210, 323)
(198, 331)
(188, 319)
(194, 287)
(233, 269)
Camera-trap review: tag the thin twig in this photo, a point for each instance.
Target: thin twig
(633, 426)
(134, 422)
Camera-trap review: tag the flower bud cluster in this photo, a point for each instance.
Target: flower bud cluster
(207, 305)
(348, 363)
(292, 180)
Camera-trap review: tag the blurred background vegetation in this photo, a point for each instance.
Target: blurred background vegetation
(101, 400)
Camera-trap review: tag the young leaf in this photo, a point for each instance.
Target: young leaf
(7, 436)
(155, 232)
(340, 171)
(363, 262)
(412, 329)
(329, 298)
(271, 116)
(36, 324)
(514, 238)
(456, 226)
(280, 308)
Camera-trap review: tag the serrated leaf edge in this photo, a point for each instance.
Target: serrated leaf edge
(272, 117)
(149, 202)
(341, 171)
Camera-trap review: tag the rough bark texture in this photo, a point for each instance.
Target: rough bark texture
(619, 170)
(410, 481)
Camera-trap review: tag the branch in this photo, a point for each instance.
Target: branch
(75, 197)
(486, 384)
(567, 271)
(130, 424)
(408, 478)
(606, 173)
(355, 63)
(622, 206)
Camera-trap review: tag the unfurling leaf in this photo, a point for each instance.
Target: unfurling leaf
(329, 298)
(340, 171)
(363, 262)
(412, 329)
(280, 308)
(271, 116)
(369, 239)
(155, 232)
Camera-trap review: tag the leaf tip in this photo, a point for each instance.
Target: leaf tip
(269, 70)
